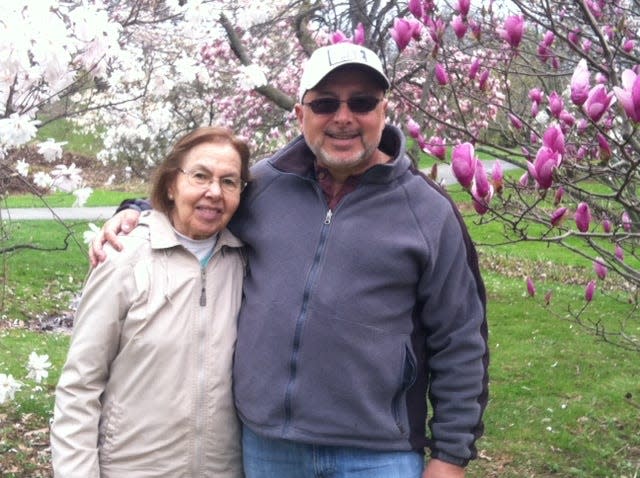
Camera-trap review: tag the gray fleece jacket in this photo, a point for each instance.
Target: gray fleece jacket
(355, 320)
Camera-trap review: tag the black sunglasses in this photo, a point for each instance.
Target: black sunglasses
(357, 104)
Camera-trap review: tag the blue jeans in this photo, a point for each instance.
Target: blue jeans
(269, 458)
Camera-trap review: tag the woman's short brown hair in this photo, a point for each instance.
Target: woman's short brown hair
(168, 170)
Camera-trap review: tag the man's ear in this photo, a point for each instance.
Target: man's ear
(299, 110)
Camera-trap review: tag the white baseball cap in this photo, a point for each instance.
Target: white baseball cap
(327, 58)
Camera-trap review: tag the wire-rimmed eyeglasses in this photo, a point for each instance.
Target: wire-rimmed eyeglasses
(203, 179)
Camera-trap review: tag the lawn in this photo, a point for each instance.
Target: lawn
(563, 403)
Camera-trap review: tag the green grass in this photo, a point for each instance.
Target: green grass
(43, 277)
(78, 141)
(559, 401)
(99, 197)
(558, 404)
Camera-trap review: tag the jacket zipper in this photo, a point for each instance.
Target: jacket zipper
(302, 317)
(200, 377)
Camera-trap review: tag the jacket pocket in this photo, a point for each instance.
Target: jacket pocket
(399, 404)
(107, 428)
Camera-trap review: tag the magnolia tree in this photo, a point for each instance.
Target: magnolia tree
(564, 107)
(49, 52)
(550, 88)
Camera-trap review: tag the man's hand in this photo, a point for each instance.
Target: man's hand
(441, 469)
(123, 222)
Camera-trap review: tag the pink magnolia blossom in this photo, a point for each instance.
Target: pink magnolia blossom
(629, 94)
(482, 186)
(583, 217)
(463, 163)
(600, 268)
(459, 26)
(531, 288)
(580, 83)
(535, 109)
(567, 118)
(619, 253)
(594, 8)
(574, 36)
(542, 168)
(556, 104)
(548, 37)
(512, 30)
(553, 138)
(402, 32)
(413, 128)
(339, 37)
(415, 7)
(480, 204)
(436, 147)
(558, 216)
(582, 153)
(601, 78)
(482, 81)
(583, 125)
(589, 291)
(463, 7)
(536, 95)
(515, 121)
(436, 29)
(544, 52)
(441, 75)
(524, 180)
(557, 199)
(497, 176)
(473, 69)
(476, 29)
(359, 35)
(626, 221)
(607, 226)
(598, 102)
(604, 147)
(416, 29)
(628, 45)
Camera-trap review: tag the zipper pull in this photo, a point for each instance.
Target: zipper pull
(327, 218)
(203, 295)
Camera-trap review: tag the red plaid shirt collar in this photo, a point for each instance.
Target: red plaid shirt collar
(327, 183)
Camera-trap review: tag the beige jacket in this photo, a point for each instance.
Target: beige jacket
(146, 389)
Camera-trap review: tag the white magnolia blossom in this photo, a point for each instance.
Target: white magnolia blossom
(22, 167)
(82, 195)
(8, 387)
(17, 130)
(42, 180)
(89, 235)
(66, 178)
(51, 150)
(542, 117)
(38, 367)
(251, 76)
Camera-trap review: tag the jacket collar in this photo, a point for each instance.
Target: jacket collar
(161, 233)
(297, 158)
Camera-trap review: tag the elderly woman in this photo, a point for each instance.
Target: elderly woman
(146, 389)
